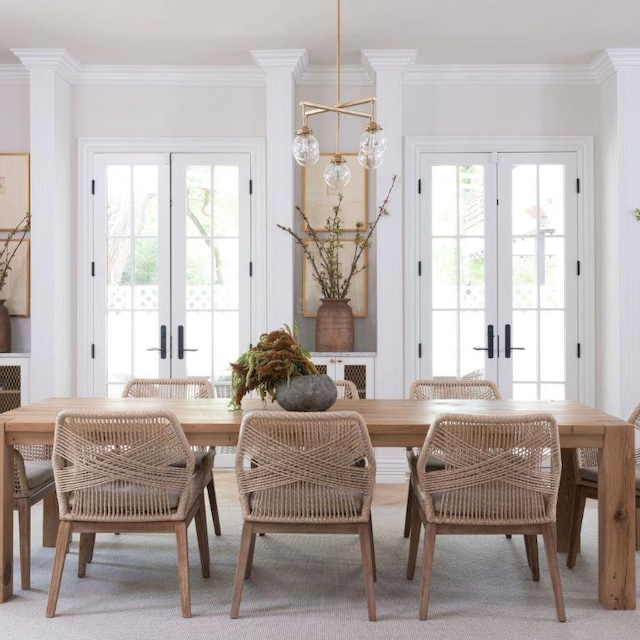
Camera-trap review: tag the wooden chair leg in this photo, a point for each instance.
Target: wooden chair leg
(577, 513)
(373, 550)
(24, 528)
(531, 545)
(549, 537)
(637, 529)
(83, 553)
(414, 541)
(62, 544)
(92, 545)
(213, 503)
(367, 568)
(429, 545)
(183, 568)
(252, 549)
(241, 570)
(408, 515)
(203, 538)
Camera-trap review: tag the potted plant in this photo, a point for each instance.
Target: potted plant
(279, 367)
(8, 249)
(321, 249)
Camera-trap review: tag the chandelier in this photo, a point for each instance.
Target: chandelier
(373, 142)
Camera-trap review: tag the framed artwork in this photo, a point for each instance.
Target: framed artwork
(14, 189)
(318, 198)
(16, 290)
(311, 292)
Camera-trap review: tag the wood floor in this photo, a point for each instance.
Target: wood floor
(227, 491)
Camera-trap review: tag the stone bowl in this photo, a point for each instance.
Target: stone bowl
(307, 393)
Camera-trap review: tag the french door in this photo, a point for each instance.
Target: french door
(172, 252)
(500, 296)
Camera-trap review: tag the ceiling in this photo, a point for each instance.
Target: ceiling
(223, 32)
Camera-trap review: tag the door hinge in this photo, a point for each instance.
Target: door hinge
(578, 268)
(419, 349)
(93, 351)
(497, 202)
(250, 269)
(579, 350)
(577, 185)
(419, 267)
(93, 269)
(250, 187)
(93, 187)
(419, 186)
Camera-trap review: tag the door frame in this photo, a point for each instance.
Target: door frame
(88, 149)
(583, 147)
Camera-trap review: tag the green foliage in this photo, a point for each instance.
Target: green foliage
(278, 356)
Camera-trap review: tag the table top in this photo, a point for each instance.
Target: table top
(390, 422)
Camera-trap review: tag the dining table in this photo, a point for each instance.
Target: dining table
(391, 423)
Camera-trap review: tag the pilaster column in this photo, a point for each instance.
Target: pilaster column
(618, 235)
(282, 69)
(53, 311)
(389, 67)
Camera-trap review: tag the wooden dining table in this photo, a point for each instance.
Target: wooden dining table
(391, 423)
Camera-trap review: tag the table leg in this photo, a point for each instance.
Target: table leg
(565, 500)
(50, 520)
(6, 517)
(617, 520)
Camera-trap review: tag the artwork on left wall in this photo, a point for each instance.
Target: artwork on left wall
(14, 205)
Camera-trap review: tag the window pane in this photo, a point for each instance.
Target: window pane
(472, 273)
(445, 343)
(525, 200)
(198, 222)
(472, 334)
(471, 189)
(444, 201)
(226, 201)
(552, 346)
(444, 276)
(524, 333)
(552, 278)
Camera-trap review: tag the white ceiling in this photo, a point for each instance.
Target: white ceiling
(223, 32)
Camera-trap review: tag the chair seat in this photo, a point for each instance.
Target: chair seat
(305, 503)
(201, 456)
(591, 475)
(39, 473)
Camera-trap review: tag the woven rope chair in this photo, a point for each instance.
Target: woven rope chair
(188, 388)
(32, 482)
(463, 389)
(117, 472)
(493, 481)
(586, 486)
(305, 473)
(347, 390)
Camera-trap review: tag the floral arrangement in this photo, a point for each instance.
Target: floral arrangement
(325, 260)
(278, 356)
(7, 252)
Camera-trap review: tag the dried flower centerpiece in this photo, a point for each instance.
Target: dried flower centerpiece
(272, 365)
(322, 250)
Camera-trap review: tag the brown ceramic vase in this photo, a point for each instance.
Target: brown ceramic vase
(334, 325)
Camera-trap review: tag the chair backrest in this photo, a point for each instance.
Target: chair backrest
(168, 388)
(347, 390)
(119, 466)
(305, 467)
(465, 389)
(497, 469)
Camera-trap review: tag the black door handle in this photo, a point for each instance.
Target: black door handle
(163, 343)
(489, 347)
(181, 348)
(507, 342)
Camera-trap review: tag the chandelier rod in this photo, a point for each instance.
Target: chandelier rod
(338, 75)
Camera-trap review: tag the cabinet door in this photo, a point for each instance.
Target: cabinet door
(358, 370)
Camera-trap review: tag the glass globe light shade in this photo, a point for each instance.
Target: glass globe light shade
(306, 149)
(337, 174)
(373, 139)
(370, 160)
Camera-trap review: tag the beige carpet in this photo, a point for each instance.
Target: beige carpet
(311, 587)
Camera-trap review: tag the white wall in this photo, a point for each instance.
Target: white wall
(14, 138)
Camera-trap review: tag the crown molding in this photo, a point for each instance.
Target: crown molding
(499, 74)
(294, 61)
(13, 74)
(57, 60)
(388, 59)
(170, 76)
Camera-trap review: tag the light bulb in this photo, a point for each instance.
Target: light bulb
(370, 160)
(337, 174)
(373, 139)
(306, 149)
